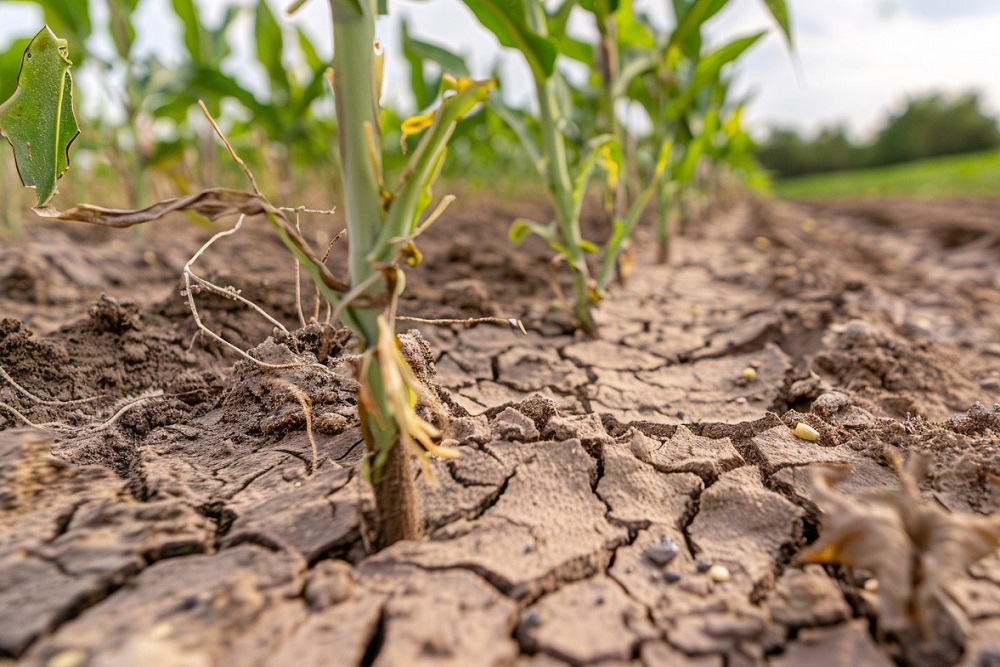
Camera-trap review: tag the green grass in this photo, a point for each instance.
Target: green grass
(970, 175)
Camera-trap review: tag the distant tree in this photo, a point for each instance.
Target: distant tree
(785, 153)
(929, 126)
(935, 125)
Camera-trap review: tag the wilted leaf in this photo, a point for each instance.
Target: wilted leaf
(915, 550)
(38, 119)
(213, 204)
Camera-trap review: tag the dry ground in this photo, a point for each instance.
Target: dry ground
(166, 510)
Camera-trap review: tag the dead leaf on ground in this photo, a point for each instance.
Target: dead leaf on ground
(915, 549)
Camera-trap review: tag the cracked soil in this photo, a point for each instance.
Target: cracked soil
(639, 499)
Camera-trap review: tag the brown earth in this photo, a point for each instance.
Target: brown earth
(635, 500)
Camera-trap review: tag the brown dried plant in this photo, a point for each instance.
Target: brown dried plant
(915, 550)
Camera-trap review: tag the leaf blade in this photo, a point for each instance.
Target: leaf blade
(38, 119)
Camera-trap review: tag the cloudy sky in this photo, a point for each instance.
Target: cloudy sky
(854, 59)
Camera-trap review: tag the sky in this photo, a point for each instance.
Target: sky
(853, 62)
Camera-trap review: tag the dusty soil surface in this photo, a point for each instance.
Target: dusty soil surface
(640, 499)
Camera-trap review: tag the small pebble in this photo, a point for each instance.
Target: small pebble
(664, 551)
(871, 585)
(749, 373)
(532, 619)
(161, 631)
(71, 657)
(718, 573)
(670, 576)
(806, 432)
(702, 565)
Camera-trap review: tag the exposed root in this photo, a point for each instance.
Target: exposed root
(42, 401)
(304, 401)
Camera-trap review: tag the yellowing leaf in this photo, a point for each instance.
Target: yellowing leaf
(610, 166)
(415, 124)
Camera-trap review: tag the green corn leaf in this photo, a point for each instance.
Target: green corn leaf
(69, 18)
(632, 33)
(38, 119)
(779, 10)
(450, 62)
(559, 17)
(312, 57)
(641, 66)
(569, 46)
(508, 20)
(270, 45)
(194, 37)
(707, 70)
(423, 166)
(122, 30)
(517, 121)
(417, 52)
(691, 16)
(418, 81)
(522, 227)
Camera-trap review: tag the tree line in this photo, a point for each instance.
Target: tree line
(928, 126)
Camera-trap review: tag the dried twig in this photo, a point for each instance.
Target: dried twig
(229, 147)
(511, 322)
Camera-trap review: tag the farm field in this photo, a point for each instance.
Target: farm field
(636, 499)
(975, 175)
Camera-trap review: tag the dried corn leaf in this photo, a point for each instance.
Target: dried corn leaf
(915, 549)
(213, 203)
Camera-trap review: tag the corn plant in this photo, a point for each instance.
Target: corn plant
(524, 25)
(382, 226)
(678, 84)
(667, 74)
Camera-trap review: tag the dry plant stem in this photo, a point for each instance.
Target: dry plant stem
(511, 322)
(27, 422)
(298, 282)
(59, 426)
(229, 147)
(136, 402)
